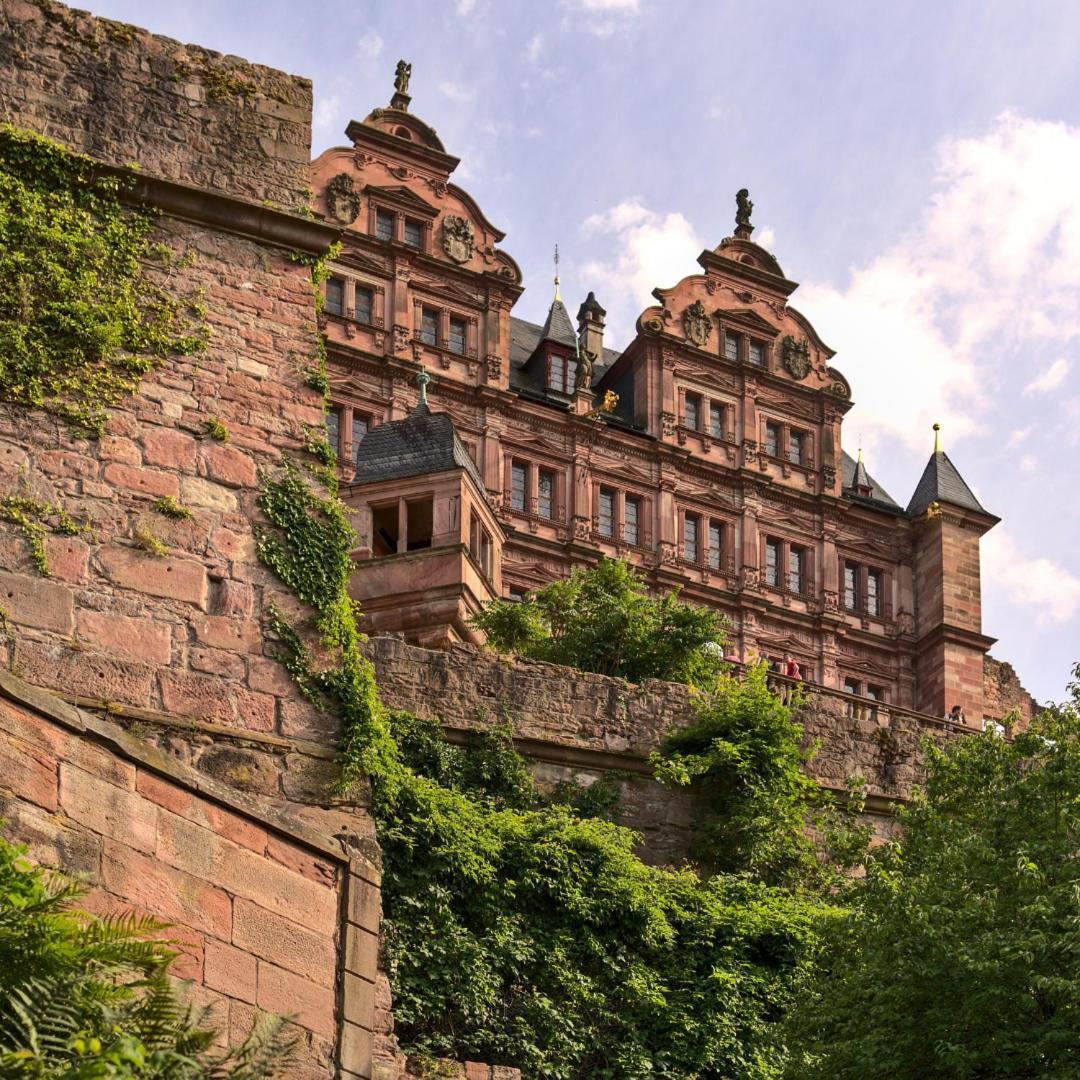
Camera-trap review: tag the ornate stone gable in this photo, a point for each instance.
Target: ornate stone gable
(697, 324)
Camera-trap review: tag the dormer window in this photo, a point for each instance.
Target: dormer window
(414, 233)
(561, 373)
(384, 225)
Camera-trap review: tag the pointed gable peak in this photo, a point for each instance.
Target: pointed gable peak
(941, 482)
(557, 326)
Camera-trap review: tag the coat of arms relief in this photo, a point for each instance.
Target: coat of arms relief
(457, 238)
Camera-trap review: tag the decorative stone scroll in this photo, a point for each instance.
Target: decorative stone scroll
(342, 202)
(697, 324)
(457, 238)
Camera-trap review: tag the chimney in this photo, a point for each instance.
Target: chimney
(590, 318)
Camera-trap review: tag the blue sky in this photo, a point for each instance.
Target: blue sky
(914, 165)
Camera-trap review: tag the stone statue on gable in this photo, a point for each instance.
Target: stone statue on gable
(743, 208)
(402, 76)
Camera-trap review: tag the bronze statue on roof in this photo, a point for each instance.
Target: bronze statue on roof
(401, 77)
(744, 208)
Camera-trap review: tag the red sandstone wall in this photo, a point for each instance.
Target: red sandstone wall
(254, 899)
(1005, 694)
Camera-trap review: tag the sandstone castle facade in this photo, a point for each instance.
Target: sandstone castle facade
(149, 739)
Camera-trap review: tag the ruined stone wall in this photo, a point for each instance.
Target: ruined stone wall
(252, 895)
(1005, 694)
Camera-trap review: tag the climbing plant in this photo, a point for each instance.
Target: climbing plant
(83, 316)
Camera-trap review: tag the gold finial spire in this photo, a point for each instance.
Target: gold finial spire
(860, 455)
(557, 296)
(937, 438)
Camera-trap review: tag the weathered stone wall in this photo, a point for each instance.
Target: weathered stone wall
(575, 724)
(1005, 693)
(254, 896)
(181, 112)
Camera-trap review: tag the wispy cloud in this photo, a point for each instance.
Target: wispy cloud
(995, 257)
(602, 17)
(368, 46)
(646, 248)
(326, 110)
(464, 7)
(1050, 379)
(1040, 585)
(534, 48)
(456, 92)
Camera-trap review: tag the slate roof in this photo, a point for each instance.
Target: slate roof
(558, 327)
(940, 482)
(525, 336)
(424, 442)
(848, 469)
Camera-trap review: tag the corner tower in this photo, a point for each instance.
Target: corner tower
(948, 522)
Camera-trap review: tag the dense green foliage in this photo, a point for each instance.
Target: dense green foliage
(521, 929)
(744, 750)
(81, 319)
(962, 955)
(604, 619)
(85, 998)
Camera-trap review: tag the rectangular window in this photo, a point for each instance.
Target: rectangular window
(851, 686)
(333, 428)
(429, 326)
(757, 353)
(456, 340)
(875, 693)
(772, 440)
(691, 531)
(545, 494)
(335, 296)
(716, 420)
(796, 571)
(795, 447)
(517, 486)
(631, 519)
(772, 563)
(359, 430)
(851, 586)
(384, 225)
(716, 543)
(557, 372)
(692, 416)
(607, 512)
(873, 592)
(731, 346)
(414, 233)
(365, 304)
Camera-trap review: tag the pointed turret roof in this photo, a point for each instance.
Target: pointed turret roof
(861, 480)
(852, 479)
(941, 482)
(557, 326)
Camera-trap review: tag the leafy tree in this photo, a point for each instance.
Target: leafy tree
(961, 957)
(86, 998)
(604, 619)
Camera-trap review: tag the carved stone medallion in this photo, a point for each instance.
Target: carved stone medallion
(457, 238)
(341, 199)
(697, 324)
(796, 355)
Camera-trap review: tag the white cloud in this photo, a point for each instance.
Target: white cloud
(368, 46)
(1028, 463)
(1042, 585)
(534, 48)
(1050, 379)
(602, 17)
(464, 7)
(456, 92)
(1018, 436)
(647, 249)
(923, 331)
(622, 7)
(766, 237)
(326, 109)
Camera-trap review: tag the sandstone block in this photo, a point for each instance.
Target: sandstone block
(96, 676)
(169, 577)
(199, 492)
(149, 482)
(284, 942)
(282, 992)
(228, 465)
(33, 602)
(68, 557)
(28, 772)
(226, 632)
(135, 639)
(169, 448)
(231, 971)
(107, 809)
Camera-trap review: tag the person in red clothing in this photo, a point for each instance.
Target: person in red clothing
(792, 668)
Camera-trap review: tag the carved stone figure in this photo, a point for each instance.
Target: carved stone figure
(586, 360)
(743, 209)
(697, 324)
(401, 77)
(342, 202)
(457, 238)
(796, 356)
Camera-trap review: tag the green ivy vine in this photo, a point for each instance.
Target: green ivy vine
(35, 520)
(84, 309)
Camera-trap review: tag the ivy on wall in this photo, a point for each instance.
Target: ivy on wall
(82, 317)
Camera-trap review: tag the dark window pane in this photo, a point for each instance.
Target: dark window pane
(545, 494)
(333, 428)
(757, 353)
(851, 586)
(772, 439)
(716, 537)
(795, 447)
(795, 570)
(429, 326)
(873, 593)
(365, 304)
(456, 341)
(557, 372)
(772, 563)
(691, 528)
(851, 686)
(716, 421)
(631, 515)
(414, 233)
(606, 517)
(731, 346)
(517, 486)
(692, 419)
(384, 225)
(359, 430)
(335, 296)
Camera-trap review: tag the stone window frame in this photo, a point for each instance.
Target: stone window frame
(568, 382)
(783, 449)
(644, 502)
(706, 402)
(444, 313)
(377, 206)
(863, 570)
(533, 468)
(346, 412)
(708, 520)
(743, 339)
(785, 543)
(351, 284)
